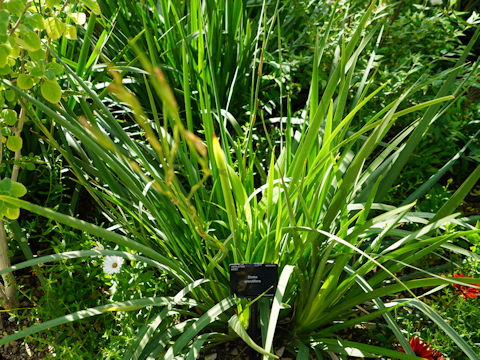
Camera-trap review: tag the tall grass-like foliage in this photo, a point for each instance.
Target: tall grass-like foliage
(191, 203)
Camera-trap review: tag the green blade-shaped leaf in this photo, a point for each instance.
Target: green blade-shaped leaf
(237, 326)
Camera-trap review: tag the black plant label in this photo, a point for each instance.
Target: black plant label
(253, 280)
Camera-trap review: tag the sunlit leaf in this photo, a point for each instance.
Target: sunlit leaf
(51, 91)
(24, 81)
(54, 27)
(35, 21)
(78, 18)
(93, 5)
(15, 7)
(4, 53)
(71, 32)
(9, 117)
(14, 143)
(29, 41)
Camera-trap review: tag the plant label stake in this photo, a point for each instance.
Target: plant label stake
(251, 281)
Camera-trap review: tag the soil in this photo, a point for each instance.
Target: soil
(20, 349)
(17, 349)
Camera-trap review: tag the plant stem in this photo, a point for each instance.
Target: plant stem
(20, 18)
(18, 153)
(9, 292)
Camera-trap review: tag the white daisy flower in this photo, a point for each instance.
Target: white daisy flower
(436, 2)
(112, 264)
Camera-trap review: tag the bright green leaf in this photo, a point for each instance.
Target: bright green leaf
(10, 95)
(12, 213)
(54, 27)
(30, 166)
(4, 16)
(11, 188)
(9, 117)
(49, 74)
(18, 189)
(29, 41)
(5, 70)
(14, 48)
(37, 56)
(15, 7)
(56, 68)
(4, 53)
(51, 91)
(52, 3)
(35, 21)
(14, 143)
(24, 82)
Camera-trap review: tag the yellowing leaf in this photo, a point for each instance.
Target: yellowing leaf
(12, 213)
(14, 143)
(71, 32)
(51, 91)
(78, 18)
(54, 27)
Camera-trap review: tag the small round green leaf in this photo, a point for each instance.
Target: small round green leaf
(18, 189)
(12, 213)
(14, 143)
(37, 56)
(5, 186)
(10, 95)
(49, 74)
(56, 68)
(51, 91)
(9, 117)
(24, 82)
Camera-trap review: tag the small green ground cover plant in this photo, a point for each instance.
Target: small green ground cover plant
(187, 203)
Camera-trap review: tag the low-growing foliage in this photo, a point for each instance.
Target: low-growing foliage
(187, 203)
